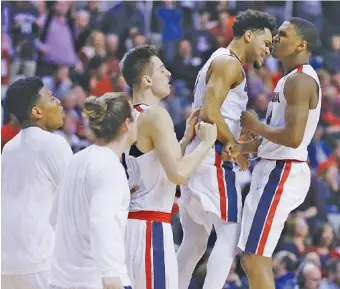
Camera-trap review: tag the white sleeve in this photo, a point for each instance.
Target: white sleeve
(58, 158)
(108, 219)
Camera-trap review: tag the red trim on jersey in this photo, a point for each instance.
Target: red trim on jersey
(300, 68)
(148, 257)
(139, 109)
(272, 209)
(286, 160)
(151, 216)
(221, 186)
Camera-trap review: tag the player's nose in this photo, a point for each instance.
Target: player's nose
(168, 74)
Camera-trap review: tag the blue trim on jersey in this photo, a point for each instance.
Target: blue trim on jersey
(263, 207)
(158, 256)
(230, 180)
(127, 287)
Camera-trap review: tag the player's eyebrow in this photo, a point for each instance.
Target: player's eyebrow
(162, 66)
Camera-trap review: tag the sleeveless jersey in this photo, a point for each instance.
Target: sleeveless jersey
(155, 192)
(236, 100)
(276, 118)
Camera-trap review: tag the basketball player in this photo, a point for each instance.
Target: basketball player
(281, 179)
(211, 195)
(93, 201)
(155, 165)
(32, 163)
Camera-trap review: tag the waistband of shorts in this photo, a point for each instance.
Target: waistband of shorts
(284, 160)
(150, 216)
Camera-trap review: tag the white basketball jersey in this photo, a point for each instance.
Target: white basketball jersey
(144, 170)
(236, 99)
(276, 118)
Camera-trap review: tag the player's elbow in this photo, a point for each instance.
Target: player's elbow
(208, 114)
(176, 177)
(295, 141)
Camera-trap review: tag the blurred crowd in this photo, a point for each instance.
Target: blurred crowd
(76, 46)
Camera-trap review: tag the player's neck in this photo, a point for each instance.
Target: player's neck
(292, 63)
(145, 97)
(117, 146)
(237, 47)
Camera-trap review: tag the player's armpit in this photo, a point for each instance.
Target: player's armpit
(298, 91)
(225, 72)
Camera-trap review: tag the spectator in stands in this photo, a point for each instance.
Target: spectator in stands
(313, 209)
(171, 17)
(332, 57)
(323, 243)
(319, 149)
(60, 83)
(186, 65)
(333, 275)
(58, 40)
(223, 30)
(204, 42)
(329, 173)
(122, 16)
(233, 280)
(112, 44)
(296, 237)
(24, 31)
(284, 267)
(9, 130)
(309, 276)
(82, 23)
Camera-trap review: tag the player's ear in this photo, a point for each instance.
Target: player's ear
(302, 46)
(248, 35)
(146, 81)
(37, 112)
(124, 126)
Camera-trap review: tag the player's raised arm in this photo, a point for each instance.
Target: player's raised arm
(225, 73)
(162, 134)
(298, 91)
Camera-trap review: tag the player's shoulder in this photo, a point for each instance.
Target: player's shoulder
(225, 61)
(155, 116)
(300, 81)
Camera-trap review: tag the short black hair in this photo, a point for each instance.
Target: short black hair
(135, 61)
(22, 96)
(307, 31)
(253, 20)
(291, 265)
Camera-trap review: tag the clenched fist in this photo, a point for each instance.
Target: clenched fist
(206, 132)
(250, 121)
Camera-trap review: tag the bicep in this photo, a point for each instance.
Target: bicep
(165, 142)
(224, 74)
(298, 91)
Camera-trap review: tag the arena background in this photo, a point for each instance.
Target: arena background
(186, 33)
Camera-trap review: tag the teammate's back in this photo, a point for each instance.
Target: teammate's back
(154, 191)
(33, 157)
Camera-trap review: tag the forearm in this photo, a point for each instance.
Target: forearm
(183, 144)
(224, 134)
(188, 163)
(278, 135)
(251, 146)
